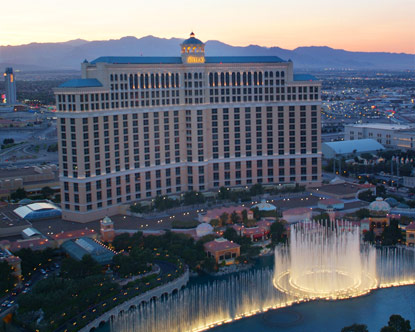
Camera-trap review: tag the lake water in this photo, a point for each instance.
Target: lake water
(331, 316)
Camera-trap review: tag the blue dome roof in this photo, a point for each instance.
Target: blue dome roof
(192, 40)
(379, 207)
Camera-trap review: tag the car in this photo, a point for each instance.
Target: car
(42, 271)
(5, 303)
(27, 284)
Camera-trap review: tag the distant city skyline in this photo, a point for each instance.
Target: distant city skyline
(367, 26)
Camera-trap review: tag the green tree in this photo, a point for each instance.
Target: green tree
(138, 208)
(277, 230)
(224, 217)
(7, 279)
(257, 213)
(369, 236)
(355, 328)
(244, 216)
(397, 323)
(7, 141)
(224, 193)
(133, 263)
(214, 222)
(47, 192)
(123, 242)
(387, 329)
(367, 196)
(235, 217)
(362, 213)
(53, 147)
(193, 197)
(34, 259)
(231, 234)
(256, 189)
(391, 235)
(73, 269)
(19, 194)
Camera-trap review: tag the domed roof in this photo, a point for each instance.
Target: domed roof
(204, 229)
(106, 220)
(192, 40)
(264, 206)
(379, 207)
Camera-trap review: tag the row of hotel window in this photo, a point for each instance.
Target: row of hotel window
(125, 198)
(225, 173)
(125, 102)
(226, 149)
(167, 80)
(218, 168)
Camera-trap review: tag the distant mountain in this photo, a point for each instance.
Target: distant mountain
(69, 55)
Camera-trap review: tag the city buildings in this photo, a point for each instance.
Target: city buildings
(10, 86)
(135, 127)
(390, 135)
(32, 179)
(349, 148)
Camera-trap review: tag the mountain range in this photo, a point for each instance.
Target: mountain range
(68, 55)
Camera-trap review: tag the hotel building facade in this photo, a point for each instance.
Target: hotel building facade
(135, 127)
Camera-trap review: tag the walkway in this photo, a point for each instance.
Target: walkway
(157, 292)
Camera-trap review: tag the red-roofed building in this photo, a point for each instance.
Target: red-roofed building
(222, 250)
(75, 234)
(410, 234)
(258, 233)
(34, 244)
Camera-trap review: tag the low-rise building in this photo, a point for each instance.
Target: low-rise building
(379, 216)
(259, 232)
(78, 248)
(62, 237)
(222, 250)
(10, 223)
(33, 244)
(38, 211)
(409, 181)
(389, 135)
(32, 179)
(350, 148)
(410, 234)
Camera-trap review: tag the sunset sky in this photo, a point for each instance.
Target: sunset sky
(355, 25)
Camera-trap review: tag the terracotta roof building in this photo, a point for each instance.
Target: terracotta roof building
(222, 250)
(75, 234)
(410, 234)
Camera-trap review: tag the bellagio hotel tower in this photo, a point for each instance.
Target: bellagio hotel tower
(133, 128)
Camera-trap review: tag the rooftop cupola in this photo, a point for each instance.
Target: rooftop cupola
(193, 50)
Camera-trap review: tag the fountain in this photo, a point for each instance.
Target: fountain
(325, 262)
(319, 263)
